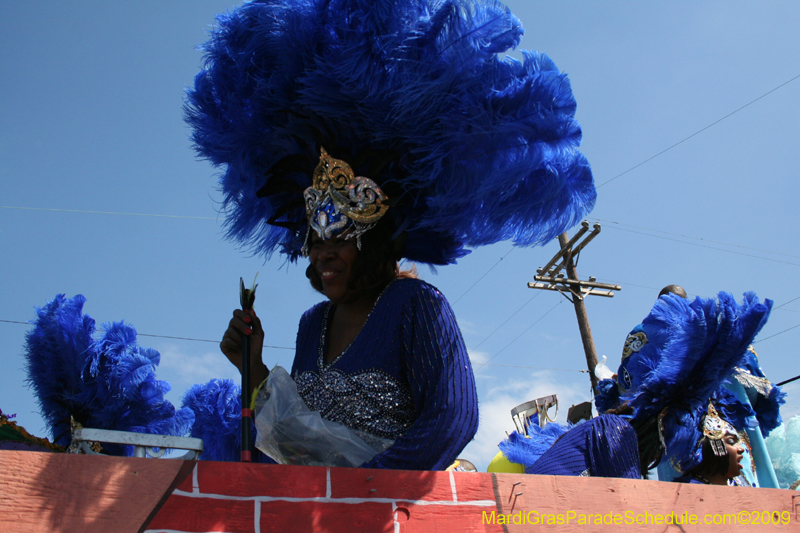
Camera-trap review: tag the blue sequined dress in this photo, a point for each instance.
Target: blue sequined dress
(406, 377)
(605, 446)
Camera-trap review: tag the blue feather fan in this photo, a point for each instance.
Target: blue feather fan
(470, 148)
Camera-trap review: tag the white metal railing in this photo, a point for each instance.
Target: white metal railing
(144, 444)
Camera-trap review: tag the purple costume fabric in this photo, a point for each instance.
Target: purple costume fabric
(406, 377)
(605, 446)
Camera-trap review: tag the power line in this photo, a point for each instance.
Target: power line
(498, 261)
(776, 334)
(788, 381)
(523, 333)
(503, 257)
(698, 131)
(628, 284)
(105, 212)
(538, 368)
(287, 348)
(691, 237)
(472, 350)
(207, 340)
(710, 247)
(469, 352)
(631, 284)
(786, 303)
(161, 336)
(484, 275)
(504, 323)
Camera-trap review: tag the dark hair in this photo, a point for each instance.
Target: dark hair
(650, 449)
(376, 264)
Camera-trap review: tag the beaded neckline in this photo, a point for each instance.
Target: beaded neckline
(321, 357)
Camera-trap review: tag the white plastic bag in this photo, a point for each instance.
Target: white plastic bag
(601, 370)
(290, 433)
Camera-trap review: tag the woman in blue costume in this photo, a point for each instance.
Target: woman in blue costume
(383, 354)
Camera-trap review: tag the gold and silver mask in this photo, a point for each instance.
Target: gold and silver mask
(715, 429)
(338, 201)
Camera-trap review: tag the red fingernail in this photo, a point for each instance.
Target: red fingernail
(246, 319)
(248, 331)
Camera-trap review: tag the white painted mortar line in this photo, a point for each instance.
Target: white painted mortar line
(265, 499)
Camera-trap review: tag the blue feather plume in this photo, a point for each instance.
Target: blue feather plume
(739, 415)
(476, 148)
(607, 396)
(217, 407)
(526, 450)
(768, 399)
(768, 410)
(55, 351)
(103, 383)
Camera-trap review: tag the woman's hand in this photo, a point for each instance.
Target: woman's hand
(245, 323)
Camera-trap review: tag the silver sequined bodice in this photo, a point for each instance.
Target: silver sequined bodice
(370, 401)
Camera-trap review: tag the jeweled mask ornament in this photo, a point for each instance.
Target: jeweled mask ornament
(338, 201)
(715, 428)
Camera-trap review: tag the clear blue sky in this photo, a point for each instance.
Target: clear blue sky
(90, 122)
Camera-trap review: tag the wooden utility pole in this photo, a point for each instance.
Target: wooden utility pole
(573, 288)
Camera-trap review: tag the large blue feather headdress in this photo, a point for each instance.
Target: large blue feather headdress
(469, 148)
(677, 360)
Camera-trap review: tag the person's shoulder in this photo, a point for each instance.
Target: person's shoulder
(316, 311)
(414, 288)
(609, 422)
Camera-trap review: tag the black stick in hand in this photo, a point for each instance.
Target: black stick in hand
(247, 297)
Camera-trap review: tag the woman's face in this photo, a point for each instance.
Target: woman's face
(735, 454)
(334, 261)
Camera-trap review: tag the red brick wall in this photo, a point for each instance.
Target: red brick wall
(237, 497)
(97, 494)
(229, 497)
